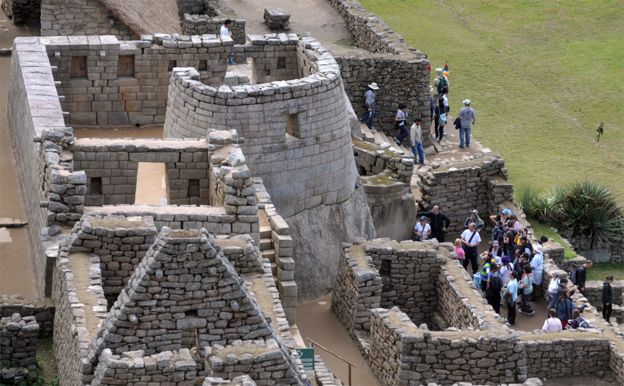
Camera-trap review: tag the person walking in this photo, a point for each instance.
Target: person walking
(467, 117)
(510, 295)
(439, 222)
(400, 124)
(607, 299)
(416, 140)
(553, 323)
(225, 32)
(370, 105)
(470, 242)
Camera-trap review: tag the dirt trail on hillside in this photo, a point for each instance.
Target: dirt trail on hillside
(16, 259)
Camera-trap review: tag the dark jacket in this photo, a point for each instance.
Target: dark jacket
(581, 277)
(565, 309)
(607, 293)
(438, 222)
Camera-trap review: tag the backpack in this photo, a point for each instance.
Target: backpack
(442, 84)
(495, 284)
(574, 276)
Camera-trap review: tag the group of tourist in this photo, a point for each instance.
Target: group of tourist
(439, 109)
(512, 268)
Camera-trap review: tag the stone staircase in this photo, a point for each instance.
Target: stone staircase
(266, 242)
(384, 141)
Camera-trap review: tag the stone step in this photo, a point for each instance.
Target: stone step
(266, 244)
(401, 149)
(265, 232)
(367, 135)
(269, 254)
(274, 269)
(12, 222)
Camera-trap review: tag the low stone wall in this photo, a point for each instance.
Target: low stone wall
(593, 293)
(408, 271)
(371, 159)
(453, 305)
(84, 17)
(195, 24)
(134, 369)
(357, 290)
(563, 356)
(114, 162)
(18, 341)
(22, 11)
(263, 362)
(41, 309)
(461, 187)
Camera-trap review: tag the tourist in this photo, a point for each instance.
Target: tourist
(498, 230)
(470, 242)
(484, 273)
(553, 323)
(505, 269)
(509, 248)
(578, 321)
(565, 308)
(225, 32)
(517, 227)
(579, 275)
(493, 289)
(432, 103)
(526, 246)
(543, 240)
(422, 230)
(440, 119)
(607, 299)
(555, 288)
(496, 251)
(400, 124)
(467, 117)
(537, 265)
(526, 285)
(510, 295)
(439, 223)
(459, 250)
(501, 217)
(474, 218)
(416, 140)
(440, 82)
(370, 105)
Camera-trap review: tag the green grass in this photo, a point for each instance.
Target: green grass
(540, 229)
(599, 271)
(541, 75)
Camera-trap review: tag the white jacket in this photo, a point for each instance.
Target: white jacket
(415, 135)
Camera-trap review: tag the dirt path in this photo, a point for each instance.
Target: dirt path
(16, 259)
(315, 321)
(314, 18)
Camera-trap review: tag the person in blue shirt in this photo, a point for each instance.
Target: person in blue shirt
(510, 295)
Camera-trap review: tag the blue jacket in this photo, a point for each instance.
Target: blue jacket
(565, 309)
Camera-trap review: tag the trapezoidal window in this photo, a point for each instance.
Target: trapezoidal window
(193, 188)
(78, 67)
(95, 185)
(203, 65)
(125, 67)
(281, 62)
(292, 126)
(172, 65)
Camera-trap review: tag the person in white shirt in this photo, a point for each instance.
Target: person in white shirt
(422, 230)
(225, 32)
(416, 140)
(470, 241)
(553, 323)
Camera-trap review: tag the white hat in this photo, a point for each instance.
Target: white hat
(373, 86)
(467, 102)
(439, 70)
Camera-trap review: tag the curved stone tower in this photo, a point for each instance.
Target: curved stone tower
(297, 138)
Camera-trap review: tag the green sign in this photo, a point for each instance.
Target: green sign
(307, 358)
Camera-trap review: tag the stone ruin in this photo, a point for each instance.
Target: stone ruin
(203, 289)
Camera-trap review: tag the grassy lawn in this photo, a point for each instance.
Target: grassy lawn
(541, 75)
(599, 271)
(540, 229)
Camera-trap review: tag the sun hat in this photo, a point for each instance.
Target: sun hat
(373, 86)
(507, 212)
(439, 70)
(467, 102)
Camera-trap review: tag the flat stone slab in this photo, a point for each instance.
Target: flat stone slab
(12, 222)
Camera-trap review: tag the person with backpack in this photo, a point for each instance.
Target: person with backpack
(578, 321)
(370, 106)
(440, 82)
(467, 117)
(510, 295)
(485, 271)
(607, 299)
(526, 285)
(470, 242)
(400, 123)
(553, 323)
(579, 275)
(440, 119)
(493, 289)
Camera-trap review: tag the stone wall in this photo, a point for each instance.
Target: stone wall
(41, 309)
(476, 184)
(114, 162)
(357, 290)
(85, 17)
(134, 369)
(22, 11)
(315, 160)
(408, 271)
(106, 95)
(195, 24)
(453, 305)
(18, 341)
(262, 362)
(391, 205)
(33, 106)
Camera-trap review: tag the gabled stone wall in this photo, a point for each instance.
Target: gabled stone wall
(84, 17)
(194, 24)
